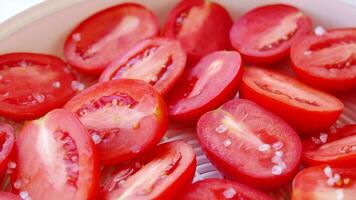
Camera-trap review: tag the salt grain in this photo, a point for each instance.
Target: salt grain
(96, 138)
(56, 84)
(323, 137)
(319, 30)
(276, 170)
(227, 142)
(229, 193)
(264, 147)
(277, 145)
(221, 128)
(77, 86)
(39, 97)
(279, 153)
(328, 172)
(23, 194)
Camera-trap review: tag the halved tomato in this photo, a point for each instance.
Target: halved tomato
(56, 159)
(9, 196)
(325, 183)
(162, 173)
(99, 39)
(313, 64)
(306, 109)
(205, 86)
(158, 61)
(250, 144)
(7, 141)
(32, 84)
(265, 34)
(124, 117)
(201, 26)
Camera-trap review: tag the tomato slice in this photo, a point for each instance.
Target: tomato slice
(125, 118)
(158, 61)
(250, 144)
(99, 39)
(313, 64)
(45, 84)
(290, 99)
(8, 196)
(160, 174)
(56, 159)
(326, 183)
(265, 34)
(201, 26)
(220, 189)
(205, 86)
(7, 141)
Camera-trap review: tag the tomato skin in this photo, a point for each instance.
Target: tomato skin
(7, 139)
(8, 196)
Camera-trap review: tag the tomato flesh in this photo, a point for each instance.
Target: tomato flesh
(8, 196)
(7, 141)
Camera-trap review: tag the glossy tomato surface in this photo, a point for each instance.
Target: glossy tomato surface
(159, 62)
(9, 196)
(265, 34)
(161, 174)
(7, 141)
(250, 143)
(306, 109)
(99, 39)
(125, 117)
(56, 159)
(32, 84)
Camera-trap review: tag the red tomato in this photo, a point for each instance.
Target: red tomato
(8, 196)
(160, 174)
(325, 183)
(265, 34)
(201, 26)
(220, 189)
(7, 140)
(250, 144)
(158, 61)
(205, 86)
(32, 84)
(125, 118)
(95, 42)
(290, 99)
(313, 64)
(56, 159)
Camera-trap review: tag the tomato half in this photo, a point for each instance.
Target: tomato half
(325, 183)
(32, 84)
(201, 26)
(265, 34)
(313, 64)
(8, 196)
(158, 61)
(290, 99)
(99, 39)
(250, 144)
(162, 173)
(125, 117)
(56, 159)
(205, 86)
(7, 141)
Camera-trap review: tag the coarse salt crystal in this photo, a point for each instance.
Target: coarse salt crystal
(39, 97)
(56, 84)
(279, 153)
(276, 170)
(319, 30)
(227, 142)
(277, 145)
(328, 172)
(23, 194)
(323, 137)
(221, 128)
(229, 193)
(264, 147)
(77, 86)
(96, 138)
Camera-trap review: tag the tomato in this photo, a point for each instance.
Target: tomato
(160, 174)
(201, 26)
(125, 118)
(220, 189)
(7, 141)
(325, 183)
(158, 61)
(290, 99)
(99, 39)
(313, 64)
(45, 84)
(250, 144)
(205, 86)
(265, 34)
(8, 196)
(56, 159)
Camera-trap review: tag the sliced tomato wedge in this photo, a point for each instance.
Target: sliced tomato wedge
(201, 26)
(159, 62)
(313, 64)
(99, 39)
(205, 86)
(160, 174)
(290, 99)
(56, 159)
(325, 182)
(250, 143)
(7, 141)
(265, 34)
(125, 118)
(32, 84)
(9, 196)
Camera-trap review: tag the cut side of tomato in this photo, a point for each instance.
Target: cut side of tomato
(313, 64)
(265, 34)
(241, 130)
(290, 99)
(32, 84)
(159, 62)
(125, 118)
(7, 141)
(160, 174)
(95, 42)
(9, 196)
(56, 159)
